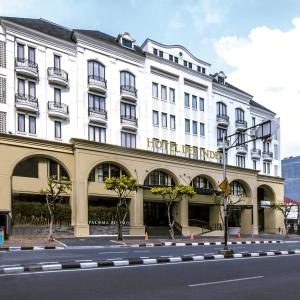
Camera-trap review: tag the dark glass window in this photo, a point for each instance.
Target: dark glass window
(239, 114)
(57, 129)
(32, 124)
(161, 54)
(56, 62)
(176, 59)
(221, 109)
(155, 51)
(21, 122)
(127, 79)
(20, 52)
(127, 43)
(171, 57)
(96, 70)
(31, 55)
(27, 168)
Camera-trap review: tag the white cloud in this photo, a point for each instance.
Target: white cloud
(266, 64)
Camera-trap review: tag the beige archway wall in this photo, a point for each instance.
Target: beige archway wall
(80, 156)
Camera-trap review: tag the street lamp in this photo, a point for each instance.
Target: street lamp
(263, 130)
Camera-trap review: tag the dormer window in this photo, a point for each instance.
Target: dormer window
(220, 77)
(221, 80)
(126, 40)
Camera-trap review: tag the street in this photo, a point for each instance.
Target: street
(258, 278)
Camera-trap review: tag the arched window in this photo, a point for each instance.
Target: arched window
(237, 189)
(107, 170)
(239, 114)
(96, 70)
(159, 178)
(55, 169)
(221, 109)
(200, 182)
(127, 79)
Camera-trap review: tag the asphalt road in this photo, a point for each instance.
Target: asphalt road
(79, 254)
(259, 278)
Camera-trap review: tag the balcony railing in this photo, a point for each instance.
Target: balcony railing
(205, 191)
(27, 101)
(58, 109)
(220, 143)
(129, 120)
(97, 82)
(255, 153)
(223, 119)
(58, 75)
(243, 148)
(241, 124)
(97, 114)
(128, 90)
(26, 66)
(266, 155)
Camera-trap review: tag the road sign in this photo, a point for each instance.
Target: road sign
(265, 204)
(225, 187)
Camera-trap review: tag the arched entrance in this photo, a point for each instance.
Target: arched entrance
(28, 206)
(102, 203)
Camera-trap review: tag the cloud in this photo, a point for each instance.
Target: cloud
(177, 21)
(266, 64)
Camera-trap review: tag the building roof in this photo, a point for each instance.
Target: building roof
(43, 26)
(290, 200)
(255, 104)
(98, 35)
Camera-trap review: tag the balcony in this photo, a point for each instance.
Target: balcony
(97, 115)
(267, 156)
(220, 144)
(97, 84)
(26, 68)
(58, 76)
(255, 153)
(58, 110)
(128, 92)
(240, 124)
(242, 149)
(27, 103)
(222, 120)
(130, 123)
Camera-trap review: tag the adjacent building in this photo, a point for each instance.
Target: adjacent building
(86, 105)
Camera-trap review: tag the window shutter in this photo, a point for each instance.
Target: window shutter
(2, 89)
(2, 54)
(2, 122)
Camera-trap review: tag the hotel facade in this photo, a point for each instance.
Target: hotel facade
(86, 105)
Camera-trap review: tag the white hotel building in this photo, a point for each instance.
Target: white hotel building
(91, 103)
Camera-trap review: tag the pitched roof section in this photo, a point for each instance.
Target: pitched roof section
(98, 35)
(255, 104)
(43, 26)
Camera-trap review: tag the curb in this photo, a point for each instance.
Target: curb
(203, 243)
(19, 248)
(138, 261)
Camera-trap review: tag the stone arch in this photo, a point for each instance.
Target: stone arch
(245, 185)
(268, 192)
(207, 177)
(167, 171)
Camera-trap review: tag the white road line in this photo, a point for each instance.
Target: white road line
(47, 262)
(225, 281)
(141, 251)
(117, 258)
(115, 252)
(82, 260)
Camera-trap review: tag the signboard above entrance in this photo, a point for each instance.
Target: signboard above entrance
(166, 147)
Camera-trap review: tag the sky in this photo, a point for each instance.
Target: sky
(255, 42)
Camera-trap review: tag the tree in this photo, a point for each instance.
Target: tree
(285, 209)
(122, 186)
(54, 194)
(173, 195)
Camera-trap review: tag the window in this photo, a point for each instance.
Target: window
(221, 109)
(31, 89)
(2, 54)
(172, 122)
(266, 147)
(253, 121)
(96, 103)
(127, 43)
(194, 102)
(154, 90)
(240, 161)
(56, 62)
(2, 122)
(57, 129)
(241, 139)
(128, 110)
(103, 171)
(203, 70)
(195, 127)
(185, 63)
(2, 89)
(190, 65)
(172, 95)
(170, 57)
(237, 189)
(186, 100)
(27, 168)
(20, 53)
(127, 79)
(221, 80)
(32, 124)
(176, 59)
(267, 167)
(187, 126)
(97, 134)
(21, 122)
(254, 164)
(128, 139)
(21, 87)
(159, 178)
(31, 55)
(164, 92)
(161, 54)
(96, 70)
(155, 51)
(155, 120)
(221, 132)
(164, 120)
(239, 114)
(199, 69)
(202, 129)
(201, 104)
(57, 96)
(200, 182)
